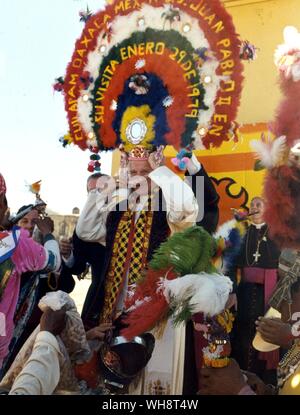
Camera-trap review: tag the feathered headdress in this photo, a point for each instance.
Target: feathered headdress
(146, 74)
(281, 155)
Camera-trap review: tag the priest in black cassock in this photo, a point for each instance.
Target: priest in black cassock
(258, 263)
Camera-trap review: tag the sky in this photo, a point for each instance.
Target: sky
(37, 39)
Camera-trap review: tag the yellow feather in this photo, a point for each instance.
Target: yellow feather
(143, 113)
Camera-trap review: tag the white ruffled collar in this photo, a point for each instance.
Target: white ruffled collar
(258, 225)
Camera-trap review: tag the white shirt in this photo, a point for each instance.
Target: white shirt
(181, 206)
(41, 373)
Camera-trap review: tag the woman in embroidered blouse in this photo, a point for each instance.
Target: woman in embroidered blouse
(19, 254)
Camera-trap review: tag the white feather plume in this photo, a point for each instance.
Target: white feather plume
(270, 153)
(205, 293)
(224, 230)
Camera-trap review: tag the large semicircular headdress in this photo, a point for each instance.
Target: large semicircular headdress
(148, 73)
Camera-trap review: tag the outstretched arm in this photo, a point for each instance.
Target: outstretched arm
(91, 225)
(181, 204)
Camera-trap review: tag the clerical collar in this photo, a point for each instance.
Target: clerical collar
(258, 225)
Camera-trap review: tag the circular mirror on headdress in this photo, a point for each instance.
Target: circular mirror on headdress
(136, 131)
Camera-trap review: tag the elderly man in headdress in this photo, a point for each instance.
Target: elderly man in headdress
(19, 254)
(133, 234)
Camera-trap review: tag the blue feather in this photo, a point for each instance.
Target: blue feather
(154, 98)
(232, 251)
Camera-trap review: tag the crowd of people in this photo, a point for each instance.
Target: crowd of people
(46, 347)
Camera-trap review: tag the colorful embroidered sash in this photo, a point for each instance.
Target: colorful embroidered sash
(129, 254)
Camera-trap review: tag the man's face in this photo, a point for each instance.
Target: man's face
(91, 184)
(139, 168)
(27, 222)
(138, 171)
(257, 205)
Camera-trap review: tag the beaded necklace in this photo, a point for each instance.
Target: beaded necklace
(288, 364)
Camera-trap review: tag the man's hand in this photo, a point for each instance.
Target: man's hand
(99, 331)
(107, 185)
(53, 321)
(123, 158)
(45, 225)
(227, 380)
(274, 331)
(123, 178)
(156, 159)
(65, 247)
(140, 185)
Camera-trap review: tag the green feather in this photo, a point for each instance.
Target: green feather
(188, 252)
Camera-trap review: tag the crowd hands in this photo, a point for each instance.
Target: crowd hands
(231, 380)
(54, 322)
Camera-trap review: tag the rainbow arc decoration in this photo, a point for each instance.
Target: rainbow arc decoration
(172, 66)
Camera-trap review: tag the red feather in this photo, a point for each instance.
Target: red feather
(146, 316)
(288, 113)
(282, 185)
(282, 195)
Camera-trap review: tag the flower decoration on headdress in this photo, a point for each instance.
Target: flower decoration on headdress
(139, 84)
(171, 15)
(248, 52)
(59, 84)
(125, 61)
(85, 15)
(65, 140)
(86, 79)
(202, 55)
